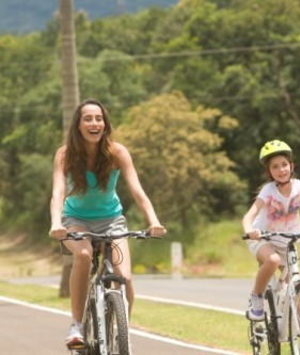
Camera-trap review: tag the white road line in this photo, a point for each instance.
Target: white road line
(186, 303)
(183, 303)
(181, 343)
(190, 304)
(132, 331)
(35, 306)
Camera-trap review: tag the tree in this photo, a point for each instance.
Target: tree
(70, 97)
(177, 151)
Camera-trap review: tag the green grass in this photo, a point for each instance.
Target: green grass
(193, 325)
(219, 251)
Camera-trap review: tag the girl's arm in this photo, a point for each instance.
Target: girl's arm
(57, 230)
(249, 218)
(124, 162)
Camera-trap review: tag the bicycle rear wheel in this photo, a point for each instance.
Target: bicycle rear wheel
(116, 325)
(294, 323)
(272, 327)
(90, 329)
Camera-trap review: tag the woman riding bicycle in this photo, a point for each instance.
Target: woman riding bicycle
(276, 208)
(84, 198)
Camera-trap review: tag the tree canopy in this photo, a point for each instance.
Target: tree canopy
(194, 91)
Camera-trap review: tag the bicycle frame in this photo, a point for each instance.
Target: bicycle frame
(97, 282)
(281, 321)
(291, 272)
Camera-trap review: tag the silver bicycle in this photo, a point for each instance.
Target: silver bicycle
(105, 319)
(282, 298)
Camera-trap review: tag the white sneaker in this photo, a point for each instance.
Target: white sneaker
(75, 336)
(256, 307)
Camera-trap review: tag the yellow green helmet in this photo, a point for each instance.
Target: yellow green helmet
(272, 148)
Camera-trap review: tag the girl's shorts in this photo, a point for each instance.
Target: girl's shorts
(115, 224)
(281, 250)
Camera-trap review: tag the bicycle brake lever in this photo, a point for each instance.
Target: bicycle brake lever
(74, 235)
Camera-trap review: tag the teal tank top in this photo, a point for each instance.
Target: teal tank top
(95, 203)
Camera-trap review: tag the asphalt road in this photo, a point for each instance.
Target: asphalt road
(227, 293)
(28, 331)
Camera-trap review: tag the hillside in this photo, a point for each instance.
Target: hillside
(19, 16)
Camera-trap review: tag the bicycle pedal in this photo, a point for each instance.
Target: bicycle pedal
(76, 347)
(255, 320)
(78, 352)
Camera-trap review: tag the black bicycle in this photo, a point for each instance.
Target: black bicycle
(105, 319)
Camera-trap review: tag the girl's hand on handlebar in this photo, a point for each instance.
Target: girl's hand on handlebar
(58, 232)
(254, 234)
(157, 230)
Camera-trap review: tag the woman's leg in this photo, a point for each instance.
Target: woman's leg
(122, 266)
(82, 256)
(269, 261)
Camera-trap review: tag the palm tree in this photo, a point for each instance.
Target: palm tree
(70, 98)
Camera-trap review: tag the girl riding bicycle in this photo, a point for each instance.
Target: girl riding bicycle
(84, 198)
(275, 208)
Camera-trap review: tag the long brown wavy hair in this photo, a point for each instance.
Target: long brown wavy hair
(75, 159)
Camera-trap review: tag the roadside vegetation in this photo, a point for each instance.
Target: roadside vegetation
(193, 90)
(217, 251)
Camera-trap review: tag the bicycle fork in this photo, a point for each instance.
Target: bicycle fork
(101, 311)
(100, 304)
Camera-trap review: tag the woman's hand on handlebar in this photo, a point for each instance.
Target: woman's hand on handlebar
(58, 232)
(157, 230)
(254, 234)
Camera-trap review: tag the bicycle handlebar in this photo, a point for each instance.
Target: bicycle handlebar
(143, 234)
(268, 235)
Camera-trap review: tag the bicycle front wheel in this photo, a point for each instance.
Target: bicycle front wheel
(116, 325)
(294, 324)
(90, 329)
(272, 327)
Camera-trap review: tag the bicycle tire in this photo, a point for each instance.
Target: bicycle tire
(90, 329)
(116, 325)
(294, 339)
(272, 327)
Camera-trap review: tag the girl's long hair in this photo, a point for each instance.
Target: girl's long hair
(75, 159)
